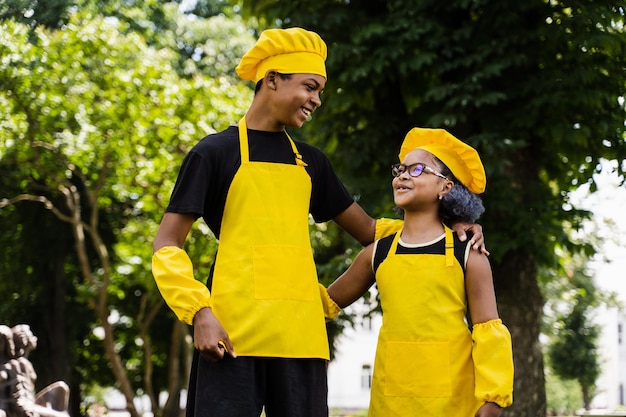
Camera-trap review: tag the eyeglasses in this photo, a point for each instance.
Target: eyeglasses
(414, 170)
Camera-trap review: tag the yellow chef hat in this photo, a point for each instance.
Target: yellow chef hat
(462, 159)
(288, 51)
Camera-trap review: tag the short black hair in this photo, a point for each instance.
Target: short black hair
(259, 83)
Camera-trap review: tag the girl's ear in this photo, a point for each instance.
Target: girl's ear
(446, 187)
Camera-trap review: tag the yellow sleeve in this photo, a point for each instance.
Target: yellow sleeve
(173, 272)
(331, 309)
(492, 353)
(386, 227)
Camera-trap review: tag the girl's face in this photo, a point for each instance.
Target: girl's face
(297, 97)
(415, 192)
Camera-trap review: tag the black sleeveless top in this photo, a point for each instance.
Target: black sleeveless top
(436, 248)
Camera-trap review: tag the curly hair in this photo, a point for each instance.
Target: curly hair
(460, 204)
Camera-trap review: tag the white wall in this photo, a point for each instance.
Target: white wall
(347, 384)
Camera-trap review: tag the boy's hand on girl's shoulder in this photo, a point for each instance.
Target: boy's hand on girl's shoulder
(477, 241)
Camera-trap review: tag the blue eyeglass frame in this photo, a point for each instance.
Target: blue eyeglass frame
(414, 170)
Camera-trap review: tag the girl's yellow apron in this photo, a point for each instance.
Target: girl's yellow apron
(265, 291)
(423, 364)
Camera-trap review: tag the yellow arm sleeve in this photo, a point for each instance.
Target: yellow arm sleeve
(492, 354)
(173, 272)
(386, 227)
(331, 309)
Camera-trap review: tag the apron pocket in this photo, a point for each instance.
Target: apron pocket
(284, 272)
(417, 369)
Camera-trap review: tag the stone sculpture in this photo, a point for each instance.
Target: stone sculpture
(17, 379)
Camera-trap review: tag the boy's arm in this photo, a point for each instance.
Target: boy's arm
(173, 230)
(186, 296)
(173, 270)
(365, 229)
(357, 223)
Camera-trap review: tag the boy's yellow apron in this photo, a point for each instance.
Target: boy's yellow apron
(265, 291)
(423, 363)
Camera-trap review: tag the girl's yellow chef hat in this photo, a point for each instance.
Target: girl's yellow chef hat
(462, 159)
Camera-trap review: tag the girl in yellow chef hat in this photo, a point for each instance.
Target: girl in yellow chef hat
(429, 360)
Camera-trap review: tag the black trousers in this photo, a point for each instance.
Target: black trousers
(241, 387)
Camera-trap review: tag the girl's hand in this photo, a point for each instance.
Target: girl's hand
(489, 410)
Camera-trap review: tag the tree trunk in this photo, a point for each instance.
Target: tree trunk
(178, 350)
(520, 305)
(52, 333)
(586, 397)
(117, 367)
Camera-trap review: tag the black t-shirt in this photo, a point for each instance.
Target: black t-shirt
(209, 168)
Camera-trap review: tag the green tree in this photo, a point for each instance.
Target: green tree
(574, 354)
(94, 126)
(572, 300)
(49, 13)
(563, 395)
(536, 86)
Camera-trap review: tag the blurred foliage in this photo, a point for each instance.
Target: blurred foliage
(92, 107)
(564, 396)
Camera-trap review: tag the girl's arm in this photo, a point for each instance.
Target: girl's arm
(492, 352)
(353, 283)
(481, 295)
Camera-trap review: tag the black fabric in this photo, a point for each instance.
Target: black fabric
(241, 387)
(382, 249)
(438, 248)
(209, 168)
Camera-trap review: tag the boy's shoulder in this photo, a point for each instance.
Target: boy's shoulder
(219, 140)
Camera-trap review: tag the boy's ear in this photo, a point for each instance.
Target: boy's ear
(270, 79)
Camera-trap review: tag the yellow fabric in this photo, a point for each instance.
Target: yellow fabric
(173, 272)
(450, 259)
(265, 289)
(493, 362)
(331, 309)
(423, 364)
(462, 159)
(386, 227)
(288, 51)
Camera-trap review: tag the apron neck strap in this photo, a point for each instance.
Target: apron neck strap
(449, 247)
(245, 152)
(449, 242)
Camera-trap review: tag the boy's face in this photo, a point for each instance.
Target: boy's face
(297, 97)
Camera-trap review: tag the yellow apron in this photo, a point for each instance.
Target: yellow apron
(423, 364)
(265, 289)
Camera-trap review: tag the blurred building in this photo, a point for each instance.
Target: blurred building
(611, 385)
(350, 373)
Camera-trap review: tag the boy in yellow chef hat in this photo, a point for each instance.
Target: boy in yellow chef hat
(428, 363)
(259, 323)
